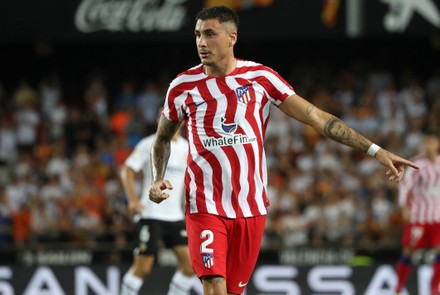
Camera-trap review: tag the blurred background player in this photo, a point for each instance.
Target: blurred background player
(155, 223)
(419, 196)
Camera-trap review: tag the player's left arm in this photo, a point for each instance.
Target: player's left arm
(160, 154)
(334, 128)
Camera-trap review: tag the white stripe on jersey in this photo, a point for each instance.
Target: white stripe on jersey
(220, 154)
(192, 191)
(202, 164)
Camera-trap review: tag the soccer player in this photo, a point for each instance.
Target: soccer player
(225, 102)
(419, 196)
(155, 222)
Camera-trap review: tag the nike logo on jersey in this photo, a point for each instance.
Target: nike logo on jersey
(199, 104)
(241, 285)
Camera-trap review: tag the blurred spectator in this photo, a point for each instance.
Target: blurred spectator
(135, 127)
(119, 121)
(25, 96)
(433, 87)
(27, 120)
(44, 220)
(21, 225)
(149, 102)
(412, 96)
(345, 93)
(127, 98)
(121, 149)
(80, 129)
(433, 116)
(58, 164)
(43, 149)
(57, 118)
(294, 228)
(5, 219)
(379, 78)
(391, 110)
(50, 93)
(96, 99)
(8, 141)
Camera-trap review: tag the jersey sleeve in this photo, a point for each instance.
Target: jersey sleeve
(277, 88)
(173, 108)
(140, 155)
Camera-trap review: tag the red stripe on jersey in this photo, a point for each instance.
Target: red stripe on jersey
(251, 197)
(229, 150)
(205, 153)
(251, 156)
(200, 188)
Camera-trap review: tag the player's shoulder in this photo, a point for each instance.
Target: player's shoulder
(252, 66)
(189, 75)
(243, 63)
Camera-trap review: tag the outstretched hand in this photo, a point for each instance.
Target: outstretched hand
(395, 164)
(157, 194)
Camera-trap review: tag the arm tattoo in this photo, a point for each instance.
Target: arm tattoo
(340, 132)
(161, 148)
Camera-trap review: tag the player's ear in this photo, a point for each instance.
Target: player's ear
(232, 38)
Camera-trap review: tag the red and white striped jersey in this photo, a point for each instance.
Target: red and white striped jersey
(226, 119)
(420, 189)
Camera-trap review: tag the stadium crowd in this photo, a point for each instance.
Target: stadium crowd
(60, 159)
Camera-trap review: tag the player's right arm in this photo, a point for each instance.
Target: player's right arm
(160, 153)
(128, 176)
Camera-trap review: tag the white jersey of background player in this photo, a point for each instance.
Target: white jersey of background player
(139, 160)
(154, 222)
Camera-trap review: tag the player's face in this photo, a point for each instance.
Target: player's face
(214, 41)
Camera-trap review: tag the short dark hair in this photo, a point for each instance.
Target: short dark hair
(222, 13)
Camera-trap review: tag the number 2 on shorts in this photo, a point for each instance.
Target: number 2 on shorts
(209, 236)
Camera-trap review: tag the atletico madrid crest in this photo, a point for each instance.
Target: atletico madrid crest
(208, 260)
(243, 94)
